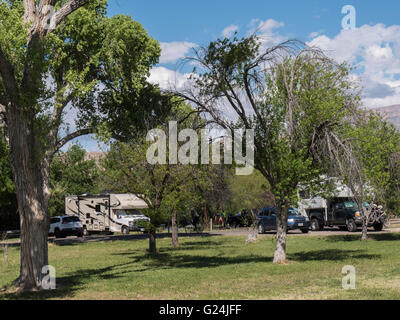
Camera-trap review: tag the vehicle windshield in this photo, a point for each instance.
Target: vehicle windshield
(71, 219)
(128, 212)
(351, 205)
(294, 212)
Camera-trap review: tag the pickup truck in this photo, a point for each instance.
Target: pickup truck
(345, 215)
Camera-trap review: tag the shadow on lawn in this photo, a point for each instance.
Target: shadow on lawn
(376, 237)
(331, 255)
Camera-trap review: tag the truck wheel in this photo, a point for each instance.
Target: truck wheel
(304, 230)
(261, 229)
(125, 230)
(378, 227)
(315, 225)
(351, 226)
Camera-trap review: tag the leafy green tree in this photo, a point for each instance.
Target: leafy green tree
(297, 105)
(376, 144)
(71, 174)
(249, 192)
(169, 190)
(51, 61)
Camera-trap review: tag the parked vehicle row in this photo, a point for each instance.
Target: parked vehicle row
(109, 213)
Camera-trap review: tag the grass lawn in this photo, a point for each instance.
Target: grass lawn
(219, 267)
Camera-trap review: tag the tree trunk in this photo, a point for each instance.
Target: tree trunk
(206, 220)
(32, 178)
(152, 241)
(364, 217)
(281, 224)
(175, 241)
(364, 235)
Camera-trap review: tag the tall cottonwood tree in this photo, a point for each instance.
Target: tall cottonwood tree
(296, 100)
(57, 54)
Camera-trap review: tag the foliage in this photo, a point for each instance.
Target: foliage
(72, 174)
(249, 192)
(8, 203)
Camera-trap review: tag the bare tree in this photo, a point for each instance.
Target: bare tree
(290, 94)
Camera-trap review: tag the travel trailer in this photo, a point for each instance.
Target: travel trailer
(107, 213)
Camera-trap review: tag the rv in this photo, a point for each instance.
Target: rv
(107, 213)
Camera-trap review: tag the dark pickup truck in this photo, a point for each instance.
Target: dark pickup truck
(345, 215)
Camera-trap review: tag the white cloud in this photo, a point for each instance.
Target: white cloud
(173, 51)
(229, 31)
(167, 78)
(267, 31)
(375, 51)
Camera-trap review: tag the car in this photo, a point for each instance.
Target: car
(267, 221)
(245, 218)
(64, 226)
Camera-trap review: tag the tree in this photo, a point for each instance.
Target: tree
(142, 166)
(165, 188)
(71, 174)
(294, 98)
(249, 192)
(49, 63)
(375, 144)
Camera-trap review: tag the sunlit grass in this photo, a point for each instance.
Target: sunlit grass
(219, 267)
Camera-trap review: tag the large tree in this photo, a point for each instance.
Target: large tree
(55, 56)
(295, 99)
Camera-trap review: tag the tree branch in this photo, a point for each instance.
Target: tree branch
(7, 73)
(69, 137)
(29, 11)
(68, 8)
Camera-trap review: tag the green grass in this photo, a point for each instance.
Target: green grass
(219, 267)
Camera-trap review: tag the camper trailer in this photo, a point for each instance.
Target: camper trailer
(107, 213)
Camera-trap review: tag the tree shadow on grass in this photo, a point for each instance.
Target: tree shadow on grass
(376, 237)
(331, 255)
(65, 285)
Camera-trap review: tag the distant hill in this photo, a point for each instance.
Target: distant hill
(391, 114)
(94, 156)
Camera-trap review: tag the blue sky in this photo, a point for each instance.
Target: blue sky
(201, 21)
(373, 46)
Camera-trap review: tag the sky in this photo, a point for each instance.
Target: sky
(372, 47)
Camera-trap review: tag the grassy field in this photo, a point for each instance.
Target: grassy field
(219, 267)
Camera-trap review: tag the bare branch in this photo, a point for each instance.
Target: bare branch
(69, 8)
(67, 138)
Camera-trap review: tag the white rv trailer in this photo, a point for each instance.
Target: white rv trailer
(108, 212)
(307, 202)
